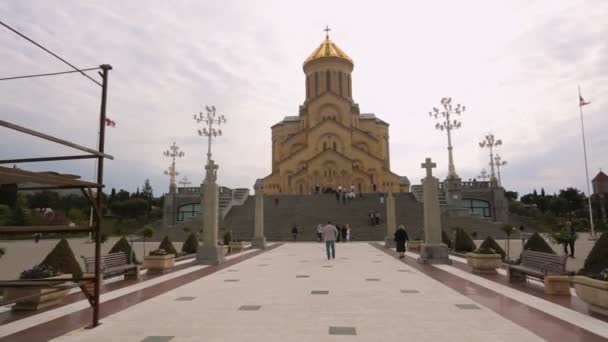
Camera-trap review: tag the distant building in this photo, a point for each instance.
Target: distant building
(600, 183)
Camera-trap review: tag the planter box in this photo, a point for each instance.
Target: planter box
(414, 245)
(484, 263)
(236, 247)
(159, 263)
(593, 292)
(557, 285)
(38, 298)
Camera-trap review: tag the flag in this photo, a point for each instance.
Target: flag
(581, 101)
(110, 123)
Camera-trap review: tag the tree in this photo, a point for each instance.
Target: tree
(18, 216)
(131, 208)
(112, 196)
(77, 216)
(146, 193)
(122, 195)
(43, 199)
(8, 194)
(147, 232)
(542, 192)
(508, 230)
(62, 259)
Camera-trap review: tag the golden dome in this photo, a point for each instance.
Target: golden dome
(327, 49)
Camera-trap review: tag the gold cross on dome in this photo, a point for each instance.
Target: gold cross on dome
(327, 29)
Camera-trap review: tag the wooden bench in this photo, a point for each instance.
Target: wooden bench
(113, 265)
(537, 265)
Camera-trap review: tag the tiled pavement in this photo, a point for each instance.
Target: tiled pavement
(357, 299)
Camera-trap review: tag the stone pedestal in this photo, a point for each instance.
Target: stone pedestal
(169, 212)
(453, 192)
(259, 241)
(432, 251)
(391, 221)
(210, 253)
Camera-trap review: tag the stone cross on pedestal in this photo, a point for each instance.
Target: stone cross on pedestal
(210, 253)
(259, 241)
(432, 250)
(391, 221)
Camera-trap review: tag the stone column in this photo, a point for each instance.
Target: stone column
(432, 251)
(169, 210)
(210, 253)
(391, 221)
(259, 241)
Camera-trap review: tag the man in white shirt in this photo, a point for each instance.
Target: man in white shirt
(330, 234)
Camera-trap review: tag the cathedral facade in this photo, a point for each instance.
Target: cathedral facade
(330, 143)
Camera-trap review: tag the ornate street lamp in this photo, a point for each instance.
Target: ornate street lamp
(484, 175)
(490, 142)
(209, 120)
(173, 152)
(446, 123)
(184, 182)
(498, 163)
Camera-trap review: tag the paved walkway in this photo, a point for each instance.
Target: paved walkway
(293, 293)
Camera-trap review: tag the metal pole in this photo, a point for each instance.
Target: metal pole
(209, 144)
(580, 107)
(102, 130)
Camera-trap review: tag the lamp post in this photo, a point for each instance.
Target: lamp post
(446, 123)
(184, 182)
(173, 152)
(209, 120)
(483, 175)
(498, 163)
(490, 142)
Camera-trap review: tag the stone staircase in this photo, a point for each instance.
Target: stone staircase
(419, 195)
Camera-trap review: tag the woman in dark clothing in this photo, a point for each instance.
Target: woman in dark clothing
(343, 232)
(400, 239)
(339, 228)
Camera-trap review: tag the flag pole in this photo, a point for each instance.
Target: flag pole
(580, 107)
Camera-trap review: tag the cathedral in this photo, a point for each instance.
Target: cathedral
(330, 144)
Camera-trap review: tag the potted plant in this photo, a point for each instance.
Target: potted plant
(191, 245)
(159, 261)
(59, 263)
(487, 258)
(591, 285)
(508, 230)
(463, 242)
(237, 246)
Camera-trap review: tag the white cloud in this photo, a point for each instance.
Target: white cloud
(515, 65)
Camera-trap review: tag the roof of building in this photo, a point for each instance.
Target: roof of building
(18, 176)
(327, 49)
(371, 116)
(601, 177)
(404, 180)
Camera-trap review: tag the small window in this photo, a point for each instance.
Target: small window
(328, 80)
(340, 82)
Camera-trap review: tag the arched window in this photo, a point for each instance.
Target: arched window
(316, 83)
(328, 80)
(340, 82)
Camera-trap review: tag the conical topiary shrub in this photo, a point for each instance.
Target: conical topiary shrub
(62, 259)
(123, 245)
(490, 243)
(597, 260)
(536, 243)
(445, 238)
(463, 242)
(167, 245)
(191, 244)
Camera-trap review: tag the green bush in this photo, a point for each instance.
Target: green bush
(463, 242)
(445, 238)
(160, 252)
(39, 272)
(490, 243)
(191, 244)
(62, 259)
(536, 243)
(123, 245)
(597, 260)
(227, 238)
(167, 245)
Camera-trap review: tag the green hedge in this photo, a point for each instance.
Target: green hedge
(536, 243)
(490, 243)
(168, 246)
(191, 244)
(62, 259)
(445, 238)
(123, 245)
(597, 260)
(464, 243)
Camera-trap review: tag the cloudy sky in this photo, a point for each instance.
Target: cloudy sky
(516, 65)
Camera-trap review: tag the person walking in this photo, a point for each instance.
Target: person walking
(320, 232)
(400, 239)
(338, 197)
(344, 232)
(348, 232)
(372, 218)
(339, 228)
(343, 198)
(330, 233)
(294, 232)
(572, 238)
(377, 217)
